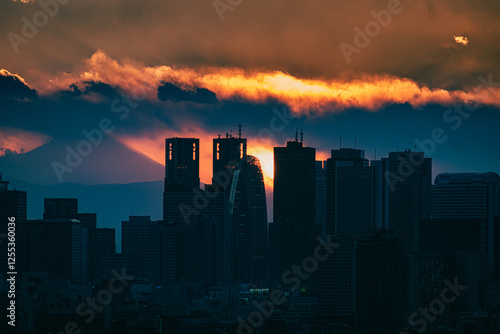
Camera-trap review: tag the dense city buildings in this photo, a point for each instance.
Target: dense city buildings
(354, 247)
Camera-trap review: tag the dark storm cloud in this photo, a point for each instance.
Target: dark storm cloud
(13, 86)
(91, 87)
(170, 92)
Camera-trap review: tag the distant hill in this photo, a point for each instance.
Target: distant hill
(113, 181)
(109, 162)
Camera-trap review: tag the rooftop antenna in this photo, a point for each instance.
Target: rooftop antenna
(239, 130)
(219, 134)
(227, 135)
(301, 136)
(231, 133)
(296, 135)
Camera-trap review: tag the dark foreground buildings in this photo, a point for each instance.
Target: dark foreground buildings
(389, 243)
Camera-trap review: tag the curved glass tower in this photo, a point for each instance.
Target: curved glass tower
(248, 212)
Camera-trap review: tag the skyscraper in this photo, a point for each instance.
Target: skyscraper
(135, 243)
(294, 184)
(379, 282)
(182, 164)
(470, 196)
(248, 212)
(59, 247)
(228, 151)
(408, 176)
(13, 203)
(349, 193)
(182, 176)
(293, 231)
(321, 217)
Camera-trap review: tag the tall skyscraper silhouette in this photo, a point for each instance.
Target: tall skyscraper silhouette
(182, 164)
(248, 212)
(349, 193)
(474, 197)
(227, 152)
(379, 282)
(293, 231)
(182, 176)
(294, 184)
(13, 204)
(407, 176)
(321, 217)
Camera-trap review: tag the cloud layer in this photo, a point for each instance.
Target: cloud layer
(298, 37)
(212, 84)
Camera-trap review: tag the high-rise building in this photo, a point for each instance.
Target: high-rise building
(406, 194)
(227, 152)
(349, 193)
(135, 243)
(60, 208)
(59, 247)
(379, 282)
(182, 177)
(321, 217)
(294, 184)
(13, 204)
(470, 196)
(248, 212)
(293, 231)
(182, 164)
(337, 279)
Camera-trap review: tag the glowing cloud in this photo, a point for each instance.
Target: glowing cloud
(302, 96)
(16, 141)
(461, 40)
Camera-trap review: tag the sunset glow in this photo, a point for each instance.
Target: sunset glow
(302, 96)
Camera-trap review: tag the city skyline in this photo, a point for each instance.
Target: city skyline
(250, 167)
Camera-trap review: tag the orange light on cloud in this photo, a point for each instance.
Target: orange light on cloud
(302, 96)
(20, 141)
(461, 40)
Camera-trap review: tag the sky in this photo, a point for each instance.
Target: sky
(381, 75)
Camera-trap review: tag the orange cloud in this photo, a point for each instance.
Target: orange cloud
(461, 40)
(20, 141)
(302, 96)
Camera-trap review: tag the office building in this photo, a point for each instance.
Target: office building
(349, 193)
(248, 212)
